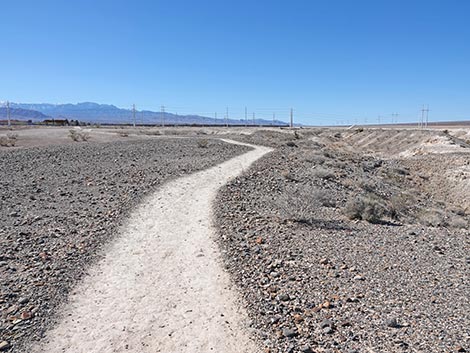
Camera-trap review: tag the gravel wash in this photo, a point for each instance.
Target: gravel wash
(336, 285)
(60, 204)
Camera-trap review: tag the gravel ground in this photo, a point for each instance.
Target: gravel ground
(60, 204)
(315, 281)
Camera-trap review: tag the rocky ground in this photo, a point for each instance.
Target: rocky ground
(60, 204)
(335, 251)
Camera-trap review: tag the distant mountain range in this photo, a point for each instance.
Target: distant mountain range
(109, 114)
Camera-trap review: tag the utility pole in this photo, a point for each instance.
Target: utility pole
(424, 117)
(254, 119)
(215, 118)
(133, 115)
(291, 118)
(395, 118)
(427, 115)
(142, 117)
(162, 117)
(274, 118)
(246, 116)
(8, 114)
(226, 117)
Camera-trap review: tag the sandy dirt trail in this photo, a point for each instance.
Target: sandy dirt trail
(161, 286)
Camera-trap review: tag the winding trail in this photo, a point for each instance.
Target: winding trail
(161, 286)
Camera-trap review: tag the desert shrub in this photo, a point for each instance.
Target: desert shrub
(9, 140)
(433, 218)
(298, 203)
(399, 205)
(323, 173)
(315, 159)
(324, 198)
(77, 135)
(288, 175)
(124, 134)
(12, 136)
(202, 143)
(458, 222)
(368, 208)
(291, 144)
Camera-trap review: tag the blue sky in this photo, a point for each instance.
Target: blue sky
(332, 61)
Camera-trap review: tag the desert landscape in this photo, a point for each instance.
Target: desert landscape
(235, 239)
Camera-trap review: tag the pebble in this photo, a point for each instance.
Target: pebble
(289, 332)
(393, 322)
(4, 345)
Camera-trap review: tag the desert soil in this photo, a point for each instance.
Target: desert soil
(60, 204)
(315, 281)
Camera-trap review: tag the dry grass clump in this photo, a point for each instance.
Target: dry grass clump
(323, 173)
(440, 218)
(77, 135)
(299, 203)
(9, 140)
(368, 208)
(202, 143)
(288, 175)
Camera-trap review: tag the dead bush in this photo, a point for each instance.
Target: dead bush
(299, 203)
(323, 173)
(368, 208)
(9, 140)
(288, 175)
(433, 218)
(77, 135)
(202, 143)
(458, 222)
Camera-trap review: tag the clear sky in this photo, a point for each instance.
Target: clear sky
(332, 61)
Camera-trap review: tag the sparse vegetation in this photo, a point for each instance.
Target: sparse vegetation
(323, 173)
(202, 143)
(368, 208)
(78, 135)
(9, 140)
(299, 203)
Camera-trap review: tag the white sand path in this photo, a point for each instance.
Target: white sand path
(160, 286)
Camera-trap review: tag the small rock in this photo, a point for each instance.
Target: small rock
(326, 323)
(306, 349)
(460, 349)
(324, 261)
(4, 345)
(392, 323)
(284, 297)
(23, 300)
(288, 332)
(328, 330)
(358, 278)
